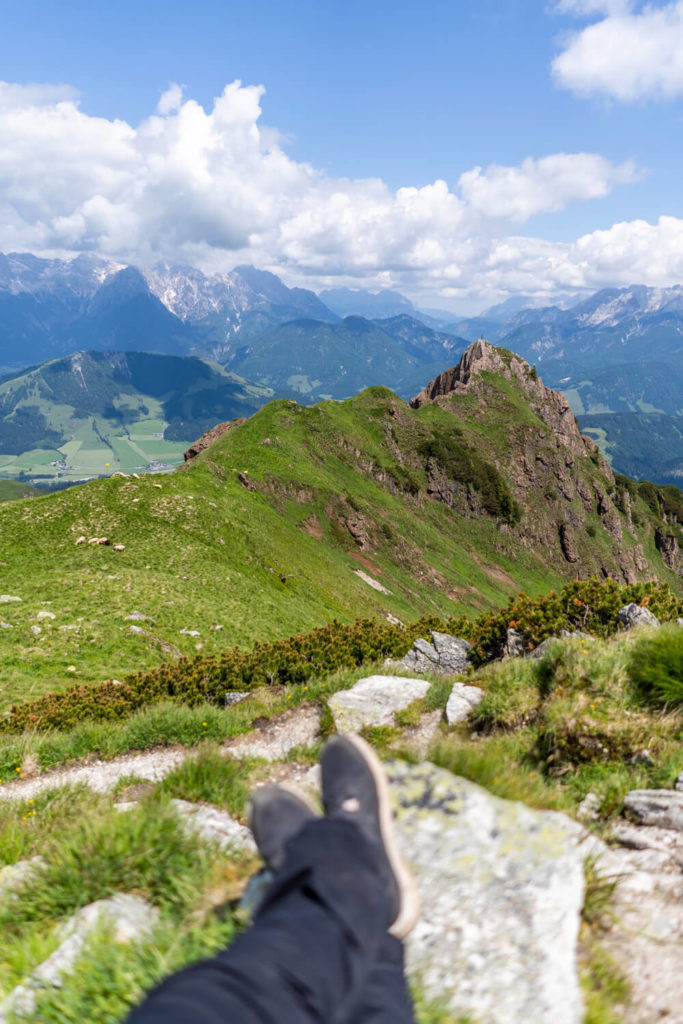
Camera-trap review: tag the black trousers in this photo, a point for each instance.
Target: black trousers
(317, 953)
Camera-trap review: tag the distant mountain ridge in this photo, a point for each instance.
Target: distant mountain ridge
(618, 351)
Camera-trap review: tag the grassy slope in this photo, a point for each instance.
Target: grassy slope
(203, 550)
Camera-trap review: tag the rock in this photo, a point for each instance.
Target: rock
(632, 615)
(125, 805)
(158, 486)
(453, 652)
(661, 807)
(7, 598)
(589, 808)
(375, 584)
(278, 736)
(79, 540)
(137, 630)
(462, 702)
(119, 473)
(15, 876)
(235, 697)
(6, 625)
(502, 889)
(643, 837)
(46, 615)
(374, 701)
(514, 645)
(190, 632)
(426, 649)
(215, 826)
(137, 617)
(36, 630)
(568, 543)
(132, 919)
(119, 547)
(543, 648)
(446, 655)
(642, 757)
(678, 784)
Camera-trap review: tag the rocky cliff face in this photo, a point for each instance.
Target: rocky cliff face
(566, 488)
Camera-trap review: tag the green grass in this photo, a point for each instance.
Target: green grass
(210, 777)
(204, 550)
(656, 667)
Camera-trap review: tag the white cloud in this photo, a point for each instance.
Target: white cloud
(627, 56)
(213, 188)
(588, 7)
(541, 186)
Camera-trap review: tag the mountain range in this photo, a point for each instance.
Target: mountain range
(616, 352)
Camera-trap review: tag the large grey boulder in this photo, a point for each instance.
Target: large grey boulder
(445, 655)
(374, 701)
(462, 702)
(660, 807)
(132, 919)
(502, 890)
(632, 615)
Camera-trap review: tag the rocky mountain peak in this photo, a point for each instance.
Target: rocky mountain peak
(550, 406)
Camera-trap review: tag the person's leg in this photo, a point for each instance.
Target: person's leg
(317, 934)
(385, 999)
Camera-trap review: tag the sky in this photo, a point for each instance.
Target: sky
(461, 152)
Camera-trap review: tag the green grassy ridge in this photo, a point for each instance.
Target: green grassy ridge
(255, 535)
(14, 490)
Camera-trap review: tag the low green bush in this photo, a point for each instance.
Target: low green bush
(656, 667)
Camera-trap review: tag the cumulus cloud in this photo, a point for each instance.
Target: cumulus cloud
(627, 56)
(214, 188)
(541, 186)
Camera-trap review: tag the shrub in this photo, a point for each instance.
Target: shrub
(590, 606)
(656, 667)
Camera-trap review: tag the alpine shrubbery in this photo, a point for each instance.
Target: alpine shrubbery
(590, 606)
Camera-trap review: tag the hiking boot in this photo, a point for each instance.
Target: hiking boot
(355, 789)
(275, 816)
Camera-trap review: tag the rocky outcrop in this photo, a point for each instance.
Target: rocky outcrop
(502, 889)
(208, 438)
(632, 615)
(551, 406)
(667, 546)
(445, 655)
(374, 701)
(462, 702)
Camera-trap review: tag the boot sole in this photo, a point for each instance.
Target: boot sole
(409, 896)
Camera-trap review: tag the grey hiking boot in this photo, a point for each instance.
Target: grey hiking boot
(275, 816)
(355, 788)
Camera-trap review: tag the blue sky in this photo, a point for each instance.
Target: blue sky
(395, 92)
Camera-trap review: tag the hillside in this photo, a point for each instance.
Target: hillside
(642, 445)
(323, 360)
(299, 515)
(96, 413)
